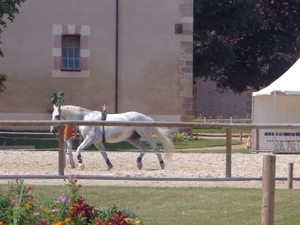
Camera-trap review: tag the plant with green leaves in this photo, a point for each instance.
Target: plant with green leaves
(3, 78)
(19, 206)
(57, 99)
(180, 136)
(7, 8)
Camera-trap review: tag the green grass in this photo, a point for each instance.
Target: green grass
(49, 141)
(187, 205)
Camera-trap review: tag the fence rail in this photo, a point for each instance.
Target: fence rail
(12, 123)
(227, 126)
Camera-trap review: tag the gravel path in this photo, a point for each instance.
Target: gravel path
(189, 165)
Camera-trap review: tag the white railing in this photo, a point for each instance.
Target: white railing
(230, 120)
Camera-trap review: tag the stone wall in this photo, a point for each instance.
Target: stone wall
(186, 59)
(213, 104)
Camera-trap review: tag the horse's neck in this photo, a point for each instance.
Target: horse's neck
(75, 113)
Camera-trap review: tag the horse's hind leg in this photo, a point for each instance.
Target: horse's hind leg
(153, 144)
(137, 143)
(101, 148)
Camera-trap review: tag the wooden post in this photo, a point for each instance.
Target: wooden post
(61, 153)
(290, 176)
(256, 139)
(241, 136)
(268, 188)
(228, 152)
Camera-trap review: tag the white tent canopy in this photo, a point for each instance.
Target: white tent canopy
(277, 103)
(288, 83)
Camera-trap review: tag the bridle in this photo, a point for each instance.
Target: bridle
(58, 117)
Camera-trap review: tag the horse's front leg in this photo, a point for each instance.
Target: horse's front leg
(102, 150)
(86, 142)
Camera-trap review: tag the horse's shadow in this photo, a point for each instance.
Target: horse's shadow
(152, 169)
(149, 169)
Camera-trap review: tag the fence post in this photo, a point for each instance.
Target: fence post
(256, 140)
(290, 176)
(268, 186)
(228, 152)
(61, 154)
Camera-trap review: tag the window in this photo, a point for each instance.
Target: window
(70, 51)
(70, 60)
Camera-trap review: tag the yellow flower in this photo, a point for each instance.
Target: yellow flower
(1, 223)
(127, 219)
(68, 220)
(28, 205)
(57, 223)
(52, 215)
(138, 222)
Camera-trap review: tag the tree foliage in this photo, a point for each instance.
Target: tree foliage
(245, 44)
(8, 9)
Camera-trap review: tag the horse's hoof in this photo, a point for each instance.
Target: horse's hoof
(81, 166)
(140, 166)
(109, 167)
(79, 159)
(162, 165)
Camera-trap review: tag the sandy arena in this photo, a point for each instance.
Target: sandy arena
(189, 165)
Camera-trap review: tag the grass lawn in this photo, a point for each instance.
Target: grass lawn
(186, 205)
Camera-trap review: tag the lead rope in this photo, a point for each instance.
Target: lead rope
(103, 117)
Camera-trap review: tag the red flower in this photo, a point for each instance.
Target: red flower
(118, 219)
(99, 221)
(84, 210)
(43, 222)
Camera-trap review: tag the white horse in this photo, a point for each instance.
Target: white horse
(97, 135)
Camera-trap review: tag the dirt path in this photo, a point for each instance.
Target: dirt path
(189, 165)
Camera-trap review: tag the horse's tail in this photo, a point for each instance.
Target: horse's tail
(162, 134)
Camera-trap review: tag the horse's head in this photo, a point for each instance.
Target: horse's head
(56, 115)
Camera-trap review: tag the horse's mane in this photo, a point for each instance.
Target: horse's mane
(73, 110)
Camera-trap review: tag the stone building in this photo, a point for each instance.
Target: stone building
(132, 55)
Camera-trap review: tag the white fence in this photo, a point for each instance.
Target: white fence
(230, 120)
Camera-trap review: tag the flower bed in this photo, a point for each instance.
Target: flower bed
(19, 206)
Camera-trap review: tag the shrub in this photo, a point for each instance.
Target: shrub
(179, 137)
(19, 206)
